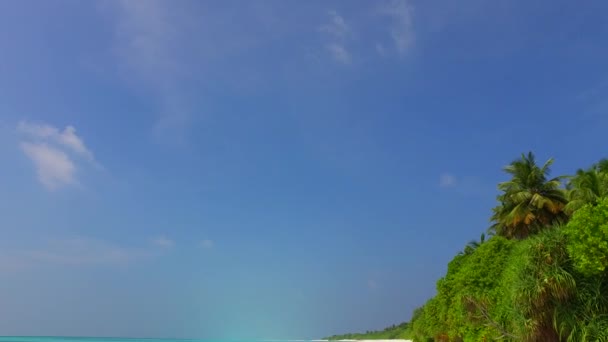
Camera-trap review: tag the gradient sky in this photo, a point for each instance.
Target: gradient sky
(270, 169)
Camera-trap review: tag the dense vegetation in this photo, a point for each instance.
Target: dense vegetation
(542, 273)
(400, 331)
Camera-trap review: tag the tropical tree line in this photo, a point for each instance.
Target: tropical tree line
(539, 273)
(400, 331)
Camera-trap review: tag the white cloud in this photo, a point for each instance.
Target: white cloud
(339, 53)
(207, 244)
(53, 167)
(447, 180)
(336, 27)
(163, 242)
(338, 32)
(153, 45)
(52, 151)
(67, 137)
(144, 34)
(37, 130)
(71, 252)
(402, 28)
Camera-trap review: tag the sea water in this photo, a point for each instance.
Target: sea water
(120, 339)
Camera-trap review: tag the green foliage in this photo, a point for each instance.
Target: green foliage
(529, 201)
(587, 233)
(539, 278)
(400, 331)
(537, 281)
(588, 186)
(428, 323)
(585, 316)
(546, 299)
(474, 244)
(459, 310)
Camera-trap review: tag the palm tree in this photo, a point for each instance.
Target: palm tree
(602, 166)
(588, 186)
(473, 245)
(529, 201)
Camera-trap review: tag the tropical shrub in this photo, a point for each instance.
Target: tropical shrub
(587, 234)
(461, 310)
(537, 280)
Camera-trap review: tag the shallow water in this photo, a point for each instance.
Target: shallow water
(121, 339)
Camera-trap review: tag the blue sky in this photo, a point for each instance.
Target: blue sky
(276, 169)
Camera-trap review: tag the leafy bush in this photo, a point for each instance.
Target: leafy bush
(587, 234)
(400, 331)
(537, 281)
(466, 295)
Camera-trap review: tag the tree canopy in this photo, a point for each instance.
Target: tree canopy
(529, 201)
(541, 275)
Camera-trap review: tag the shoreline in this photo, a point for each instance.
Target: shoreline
(385, 340)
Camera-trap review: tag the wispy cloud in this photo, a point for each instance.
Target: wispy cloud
(53, 167)
(336, 26)
(401, 29)
(337, 32)
(163, 242)
(149, 47)
(144, 36)
(447, 180)
(339, 53)
(78, 251)
(397, 20)
(207, 244)
(52, 151)
(67, 138)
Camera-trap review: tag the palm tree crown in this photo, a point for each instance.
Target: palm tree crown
(529, 201)
(588, 186)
